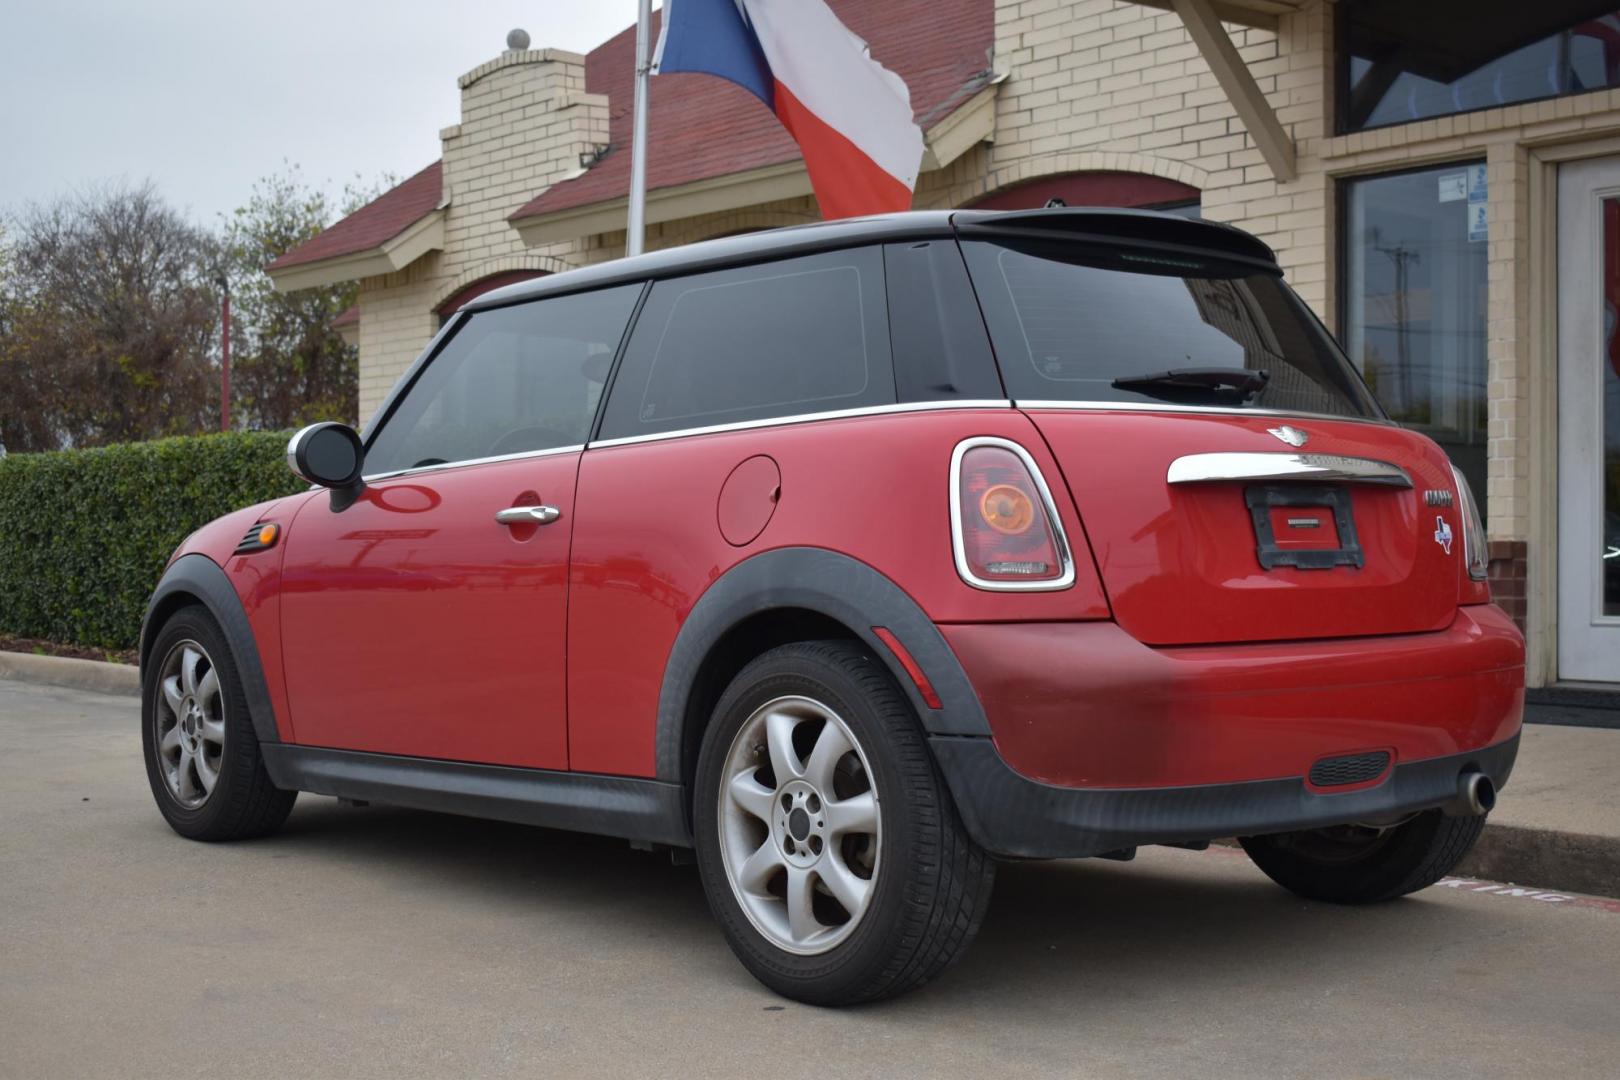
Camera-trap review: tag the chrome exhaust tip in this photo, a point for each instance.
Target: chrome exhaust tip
(1476, 795)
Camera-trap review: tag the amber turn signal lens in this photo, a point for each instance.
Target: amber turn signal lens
(1007, 509)
(267, 535)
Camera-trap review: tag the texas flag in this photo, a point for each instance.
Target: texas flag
(850, 115)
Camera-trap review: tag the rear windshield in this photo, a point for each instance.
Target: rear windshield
(1078, 323)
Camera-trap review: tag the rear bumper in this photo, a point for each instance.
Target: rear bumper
(1016, 817)
(1100, 742)
(1087, 705)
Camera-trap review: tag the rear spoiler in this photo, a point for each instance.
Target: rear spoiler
(1119, 228)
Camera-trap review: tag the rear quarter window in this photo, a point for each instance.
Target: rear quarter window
(778, 339)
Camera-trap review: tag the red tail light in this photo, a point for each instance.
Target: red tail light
(1004, 527)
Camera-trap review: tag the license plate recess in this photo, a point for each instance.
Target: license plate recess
(1263, 498)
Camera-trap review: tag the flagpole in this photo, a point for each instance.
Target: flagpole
(638, 140)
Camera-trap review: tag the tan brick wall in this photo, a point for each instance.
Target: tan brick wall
(1106, 85)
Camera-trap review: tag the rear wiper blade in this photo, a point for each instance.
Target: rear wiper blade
(1249, 380)
(1197, 382)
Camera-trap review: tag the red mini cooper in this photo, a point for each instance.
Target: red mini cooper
(857, 557)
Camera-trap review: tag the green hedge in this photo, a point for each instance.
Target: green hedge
(84, 534)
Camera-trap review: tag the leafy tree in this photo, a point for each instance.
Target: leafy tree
(289, 366)
(109, 315)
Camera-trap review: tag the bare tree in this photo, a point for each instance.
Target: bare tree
(110, 316)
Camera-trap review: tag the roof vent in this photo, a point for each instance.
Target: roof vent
(517, 40)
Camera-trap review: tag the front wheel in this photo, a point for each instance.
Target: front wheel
(202, 754)
(831, 854)
(1360, 864)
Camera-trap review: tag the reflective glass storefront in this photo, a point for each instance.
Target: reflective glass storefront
(1413, 313)
(1402, 60)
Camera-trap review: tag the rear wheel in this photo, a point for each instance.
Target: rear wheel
(1360, 864)
(202, 754)
(828, 846)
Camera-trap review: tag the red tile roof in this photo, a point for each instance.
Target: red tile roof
(374, 224)
(701, 127)
(349, 316)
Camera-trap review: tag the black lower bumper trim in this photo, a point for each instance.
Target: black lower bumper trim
(1014, 816)
(643, 810)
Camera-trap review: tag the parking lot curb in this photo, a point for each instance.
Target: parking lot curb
(1546, 858)
(93, 675)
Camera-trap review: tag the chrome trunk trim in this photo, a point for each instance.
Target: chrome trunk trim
(1219, 467)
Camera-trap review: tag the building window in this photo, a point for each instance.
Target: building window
(1414, 302)
(1401, 61)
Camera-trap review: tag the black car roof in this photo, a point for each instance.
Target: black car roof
(1102, 225)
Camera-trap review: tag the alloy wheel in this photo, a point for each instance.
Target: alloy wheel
(800, 832)
(189, 724)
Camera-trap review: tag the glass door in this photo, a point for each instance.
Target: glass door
(1589, 420)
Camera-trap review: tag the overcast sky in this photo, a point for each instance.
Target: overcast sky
(206, 97)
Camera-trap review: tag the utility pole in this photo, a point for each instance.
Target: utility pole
(1402, 257)
(224, 353)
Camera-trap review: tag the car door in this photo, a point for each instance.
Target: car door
(428, 617)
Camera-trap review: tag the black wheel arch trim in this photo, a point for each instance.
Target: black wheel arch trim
(198, 578)
(835, 586)
(1013, 816)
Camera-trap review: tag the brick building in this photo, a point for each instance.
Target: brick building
(1438, 179)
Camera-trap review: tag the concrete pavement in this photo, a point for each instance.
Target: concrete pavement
(392, 943)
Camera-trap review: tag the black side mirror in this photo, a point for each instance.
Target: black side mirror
(328, 454)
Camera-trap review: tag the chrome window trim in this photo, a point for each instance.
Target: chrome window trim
(1272, 465)
(798, 418)
(1154, 407)
(958, 546)
(548, 452)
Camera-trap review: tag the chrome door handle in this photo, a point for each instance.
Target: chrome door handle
(528, 515)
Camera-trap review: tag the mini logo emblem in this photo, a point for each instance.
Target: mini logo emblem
(1290, 435)
(1442, 534)
(1438, 497)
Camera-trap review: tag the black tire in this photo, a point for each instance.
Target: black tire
(933, 882)
(1350, 864)
(243, 802)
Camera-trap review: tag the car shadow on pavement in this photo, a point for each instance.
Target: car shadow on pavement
(1074, 928)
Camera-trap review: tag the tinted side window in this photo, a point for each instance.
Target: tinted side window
(511, 380)
(941, 350)
(781, 339)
